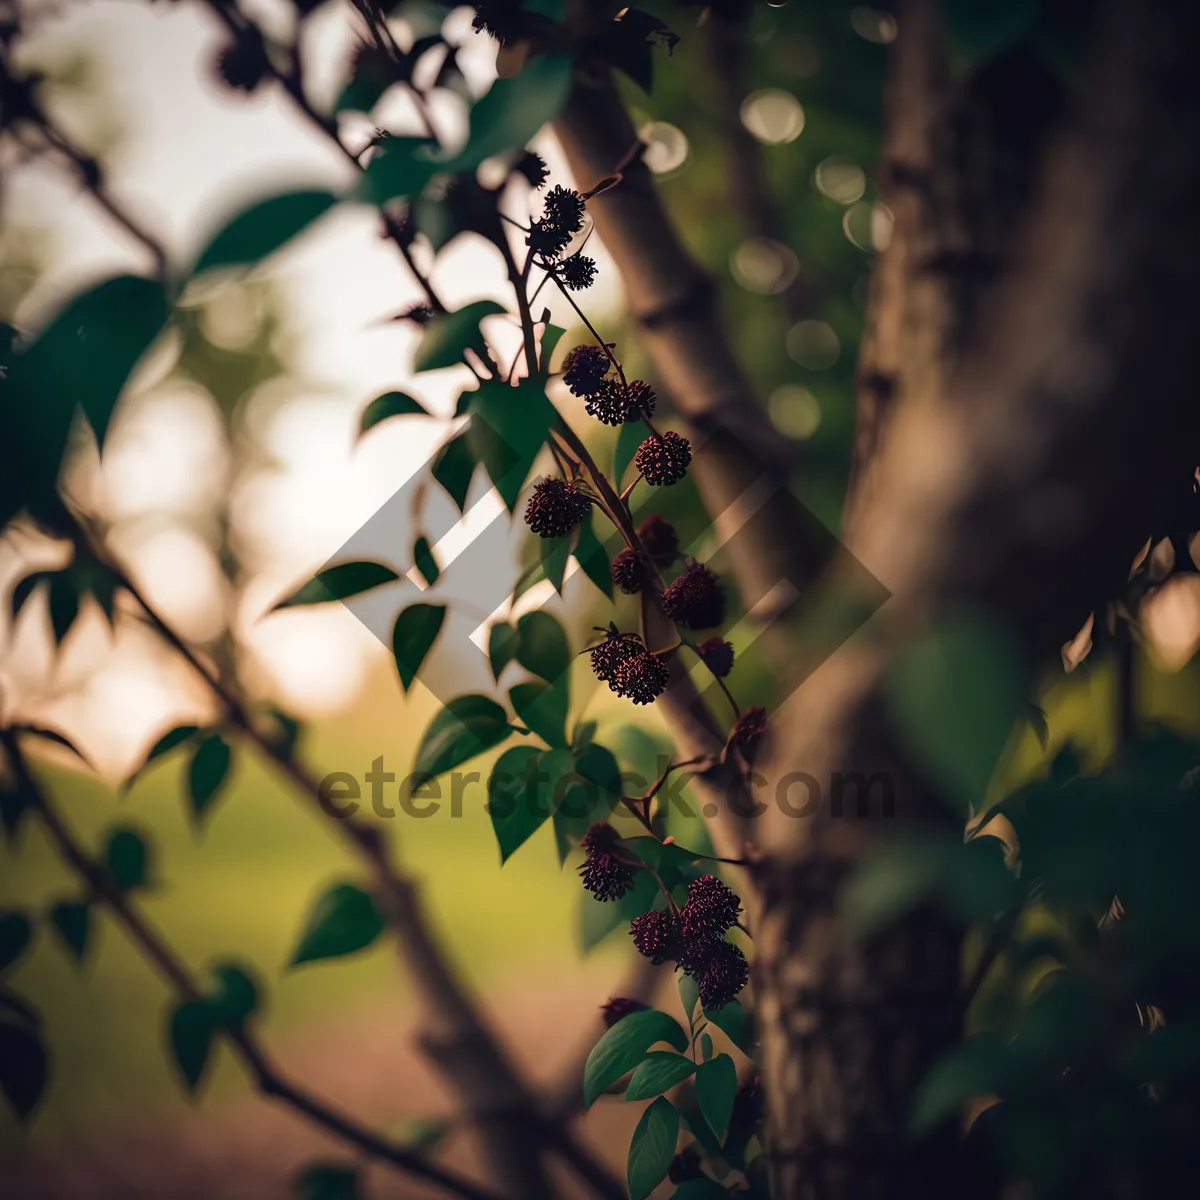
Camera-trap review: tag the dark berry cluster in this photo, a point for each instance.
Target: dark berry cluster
(563, 218)
(606, 873)
(694, 598)
(613, 403)
(629, 571)
(578, 272)
(623, 662)
(663, 461)
(718, 656)
(585, 370)
(555, 508)
(618, 1007)
(695, 938)
(751, 725)
(659, 539)
(243, 64)
(533, 168)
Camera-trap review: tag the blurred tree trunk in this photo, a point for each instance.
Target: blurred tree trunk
(1021, 433)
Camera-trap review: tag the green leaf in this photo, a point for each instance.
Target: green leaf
(343, 921)
(706, 1047)
(508, 428)
(591, 556)
(264, 227)
(521, 793)
(465, 727)
(955, 695)
(165, 744)
(454, 467)
(623, 1047)
(64, 604)
(448, 336)
(543, 647)
(16, 932)
(72, 919)
(701, 1189)
(326, 1181)
(689, 995)
(402, 167)
(24, 1063)
(629, 438)
(733, 1021)
(503, 641)
(339, 583)
(716, 1086)
(975, 1067)
(424, 561)
(660, 1071)
(514, 110)
(543, 708)
(207, 773)
(652, 1148)
(390, 404)
(551, 336)
(413, 635)
(189, 1035)
(235, 997)
(555, 553)
(598, 919)
(127, 857)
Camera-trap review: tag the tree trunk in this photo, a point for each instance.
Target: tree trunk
(1034, 436)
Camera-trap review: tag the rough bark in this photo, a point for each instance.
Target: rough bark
(1037, 433)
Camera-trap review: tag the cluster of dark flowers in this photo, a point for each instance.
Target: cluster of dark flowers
(623, 662)
(552, 233)
(694, 938)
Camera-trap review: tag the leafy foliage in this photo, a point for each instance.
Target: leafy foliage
(343, 921)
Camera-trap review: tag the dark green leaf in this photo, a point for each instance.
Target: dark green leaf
(652, 1148)
(521, 794)
(25, 589)
(598, 919)
(543, 648)
(734, 1022)
(424, 561)
(413, 635)
(263, 228)
(689, 995)
(127, 857)
(590, 555)
(508, 428)
(503, 641)
(706, 1047)
(165, 744)
(236, 995)
(976, 1067)
(529, 578)
(555, 553)
(660, 1071)
(207, 773)
(326, 1181)
(543, 708)
(24, 1062)
(465, 727)
(453, 468)
(340, 582)
(189, 1035)
(73, 921)
(716, 1086)
(624, 1046)
(64, 604)
(402, 167)
(551, 336)
(390, 404)
(16, 932)
(343, 921)
(981, 30)
(701, 1189)
(514, 110)
(629, 438)
(13, 803)
(448, 336)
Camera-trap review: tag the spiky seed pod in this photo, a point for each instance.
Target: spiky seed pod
(585, 369)
(555, 508)
(502, 19)
(611, 652)
(718, 656)
(640, 400)
(641, 677)
(629, 571)
(564, 209)
(546, 238)
(605, 874)
(618, 1007)
(533, 167)
(578, 272)
(660, 539)
(663, 460)
(720, 973)
(243, 64)
(656, 935)
(694, 598)
(608, 403)
(712, 908)
(751, 725)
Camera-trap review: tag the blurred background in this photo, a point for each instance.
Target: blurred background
(232, 472)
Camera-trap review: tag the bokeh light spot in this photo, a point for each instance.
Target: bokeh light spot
(874, 25)
(773, 116)
(813, 344)
(795, 411)
(841, 179)
(764, 266)
(666, 146)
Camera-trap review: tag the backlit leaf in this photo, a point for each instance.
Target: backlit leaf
(343, 921)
